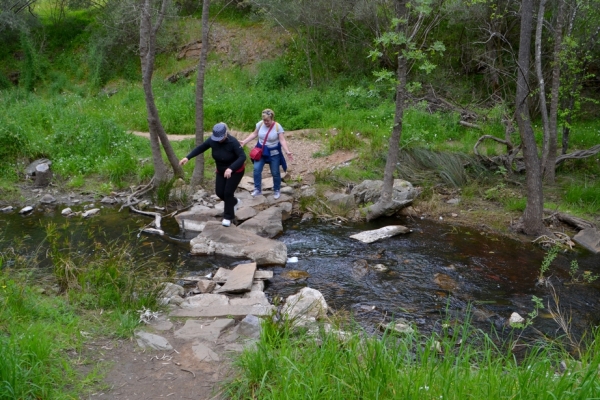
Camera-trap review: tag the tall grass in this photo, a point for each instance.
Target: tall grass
(457, 364)
(43, 311)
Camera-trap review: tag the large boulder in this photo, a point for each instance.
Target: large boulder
(236, 242)
(370, 191)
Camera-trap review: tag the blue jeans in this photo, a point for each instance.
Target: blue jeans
(274, 165)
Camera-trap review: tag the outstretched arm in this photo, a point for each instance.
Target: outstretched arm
(249, 138)
(198, 150)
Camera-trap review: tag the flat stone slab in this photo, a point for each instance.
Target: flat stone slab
(207, 330)
(589, 238)
(156, 342)
(239, 280)
(235, 242)
(223, 274)
(219, 305)
(196, 218)
(382, 233)
(204, 353)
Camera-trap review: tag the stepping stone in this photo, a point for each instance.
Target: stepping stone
(239, 280)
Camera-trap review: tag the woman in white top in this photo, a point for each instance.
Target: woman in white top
(272, 151)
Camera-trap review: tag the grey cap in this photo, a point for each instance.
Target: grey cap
(219, 132)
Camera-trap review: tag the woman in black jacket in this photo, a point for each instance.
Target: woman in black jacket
(230, 159)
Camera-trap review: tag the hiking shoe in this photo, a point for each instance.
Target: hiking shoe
(256, 193)
(277, 194)
(226, 222)
(237, 205)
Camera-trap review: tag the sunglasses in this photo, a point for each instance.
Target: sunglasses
(269, 113)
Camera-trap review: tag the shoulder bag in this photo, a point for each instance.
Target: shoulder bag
(257, 152)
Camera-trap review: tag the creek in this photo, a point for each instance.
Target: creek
(438, 271)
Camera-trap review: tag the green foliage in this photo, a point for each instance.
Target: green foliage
(31, 68)
(585, 196)
(548, 259)
(36, 331)
(459, 362)
(113, 276)
(576, 276)
(163, 192)
(345, 141)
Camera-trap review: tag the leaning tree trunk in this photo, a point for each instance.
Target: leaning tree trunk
(198, 175)
(534, 210)
(160, 170)
(385, 203)
(147, 55)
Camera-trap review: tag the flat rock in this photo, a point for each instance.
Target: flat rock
(382, 233)
(204, 353)
(235, 242)
(589, 238)
(156, 342)
(219, 305)
(207, 330)
(266, 223)
(196, 218)
(223, 274)
(239, 280)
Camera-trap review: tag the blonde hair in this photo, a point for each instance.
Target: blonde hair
(270, 113)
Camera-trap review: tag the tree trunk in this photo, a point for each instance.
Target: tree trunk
(198, 175)
(534, 210)
(160, 170)
(147, 56)
(550, 166)
(385, 202)
(541, 83)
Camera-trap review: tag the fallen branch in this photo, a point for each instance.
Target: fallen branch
(469, 125)
(560, 240)
(139, 192)
(579, 154)
(157, 216)
(571, 220)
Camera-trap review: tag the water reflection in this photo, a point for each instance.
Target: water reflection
(433, 270)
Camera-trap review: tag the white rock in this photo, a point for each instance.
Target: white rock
(26, 210)
(515, 319)
(91, 212)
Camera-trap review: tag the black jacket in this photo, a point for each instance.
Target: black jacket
(228, 154)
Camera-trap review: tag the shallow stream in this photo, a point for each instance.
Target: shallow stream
(435, 272)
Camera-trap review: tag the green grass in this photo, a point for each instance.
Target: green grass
(459, 363)
(44, 311)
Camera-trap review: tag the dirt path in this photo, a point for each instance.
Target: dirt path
(305, 146)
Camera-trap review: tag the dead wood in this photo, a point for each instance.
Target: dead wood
(132, 200)
(157, 216)
(579, 154)
(571, 220)
(469, 125)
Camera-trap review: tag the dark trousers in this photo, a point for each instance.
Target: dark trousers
(225, 188)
